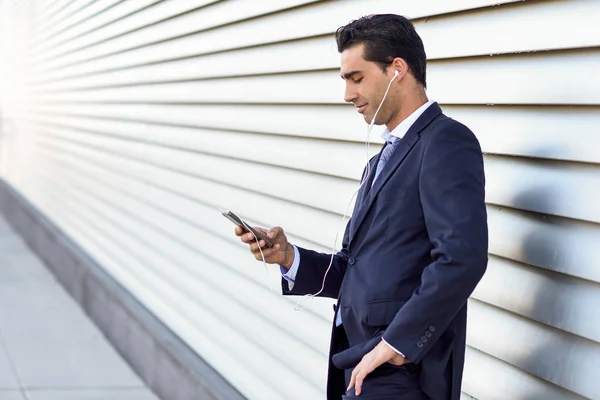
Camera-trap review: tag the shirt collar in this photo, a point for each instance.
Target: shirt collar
(400, 130)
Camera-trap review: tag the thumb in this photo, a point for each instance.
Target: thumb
(273, 232)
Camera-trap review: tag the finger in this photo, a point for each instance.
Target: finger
(352, 378)
(239, 231)
(247, 238)
(359, 381)
(270, 255)
(254, 246)
(270, 251)
(367, 367)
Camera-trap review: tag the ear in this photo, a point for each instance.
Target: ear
(398, 64)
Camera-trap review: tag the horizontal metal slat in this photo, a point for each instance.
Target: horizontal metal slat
(561, 133)
(544, 296)
(80, 12)
(491, 80)
(537, 132)
(552, 243)
(555, 188)
(47, 12)
(487, 377)
(558, 357)
(522, 27)
(107, 21)
(465, 396)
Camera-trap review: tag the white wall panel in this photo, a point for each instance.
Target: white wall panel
(492, 378)
(558, 244)
(129, 122)
(77, 13)
(504, 80)
(545, 296)
(558, 357)
(303, 22)
(497, 32)
(47, 13)
(100, 26)
(527, 131)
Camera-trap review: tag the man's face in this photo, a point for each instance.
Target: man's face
(365, 85)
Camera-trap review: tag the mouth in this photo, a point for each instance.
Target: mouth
(361, 109)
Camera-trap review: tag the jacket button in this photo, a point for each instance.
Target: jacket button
(431, 328)
(428, 334)
(419, 344)
(423, 339)
(352, 260)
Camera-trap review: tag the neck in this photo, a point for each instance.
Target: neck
(408, 105)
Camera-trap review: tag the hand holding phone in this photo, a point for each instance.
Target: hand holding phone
(277, 251)
(247, 228)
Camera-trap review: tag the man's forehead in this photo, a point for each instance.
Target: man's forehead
(353, 54)
(352, 60)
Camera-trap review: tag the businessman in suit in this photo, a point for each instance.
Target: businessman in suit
(416, 244)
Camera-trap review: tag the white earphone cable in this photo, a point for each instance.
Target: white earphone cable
(300, 305)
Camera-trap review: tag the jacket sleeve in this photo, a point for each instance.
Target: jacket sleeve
(312, 269)
(452, 191)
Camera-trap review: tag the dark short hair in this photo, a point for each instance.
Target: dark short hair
(385, 37)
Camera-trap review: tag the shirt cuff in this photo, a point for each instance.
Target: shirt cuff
(393, 348)
(290, 275)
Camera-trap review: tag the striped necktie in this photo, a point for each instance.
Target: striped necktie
(385, 156)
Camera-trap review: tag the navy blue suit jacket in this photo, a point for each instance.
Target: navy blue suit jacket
(413, 252)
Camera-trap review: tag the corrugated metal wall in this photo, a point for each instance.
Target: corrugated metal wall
(138, 117)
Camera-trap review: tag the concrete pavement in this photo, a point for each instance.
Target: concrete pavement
(49, 348)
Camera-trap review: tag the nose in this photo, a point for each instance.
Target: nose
(350, 94)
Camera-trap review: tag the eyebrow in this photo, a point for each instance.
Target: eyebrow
(350, 74)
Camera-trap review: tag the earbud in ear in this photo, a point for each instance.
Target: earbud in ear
(395, 73)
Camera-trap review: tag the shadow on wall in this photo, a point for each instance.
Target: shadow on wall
(544, 247)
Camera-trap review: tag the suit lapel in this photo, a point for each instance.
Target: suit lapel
(404, 146)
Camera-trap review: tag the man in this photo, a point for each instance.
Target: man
(416, 245)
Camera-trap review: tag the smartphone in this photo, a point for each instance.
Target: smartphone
(247, 228)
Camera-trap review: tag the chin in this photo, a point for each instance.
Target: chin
(369, 120)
